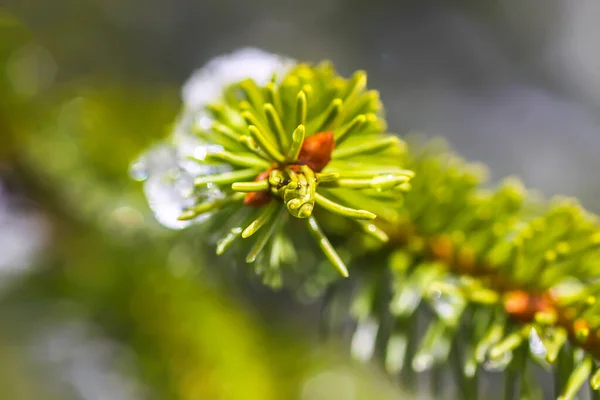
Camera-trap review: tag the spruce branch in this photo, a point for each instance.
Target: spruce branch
(508, 278)
(523, 271)
(289, 145)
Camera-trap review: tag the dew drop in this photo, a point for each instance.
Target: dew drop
(188, 149)
(166, 202)
(138, 171)
(168, 187)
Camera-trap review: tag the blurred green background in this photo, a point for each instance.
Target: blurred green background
(98, 301)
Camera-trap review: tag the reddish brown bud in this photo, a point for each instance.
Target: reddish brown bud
(316, 150)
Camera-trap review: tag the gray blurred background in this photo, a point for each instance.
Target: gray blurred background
(512, 83)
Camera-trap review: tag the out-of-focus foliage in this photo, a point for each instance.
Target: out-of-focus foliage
(80, 136)
(504, 280)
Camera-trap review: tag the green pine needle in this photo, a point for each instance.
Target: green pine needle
(269, 152)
